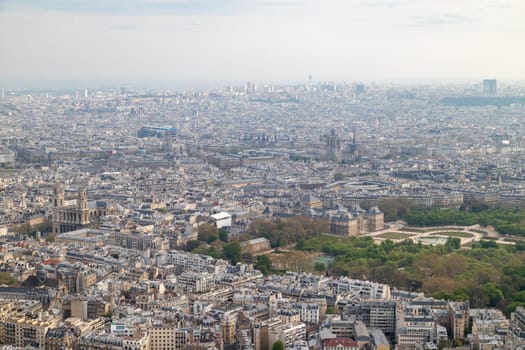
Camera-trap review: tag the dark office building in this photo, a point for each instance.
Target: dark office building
(156, 131)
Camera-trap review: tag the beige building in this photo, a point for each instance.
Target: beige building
(458, 317)
(140, 241)
(8, 308)
(375, 219)
(61, 338)
(28, 329)
(255, 246)
(351, 224)
(287, 333)
(516, 334)
(379, 340)
(340, 344)
(76, 281)
(85, 279)
(196, 282)
(85, 308)
(104, 341)
(86, 237)
(311, 202)
(68, 216)
(169, 337)
(229, 327)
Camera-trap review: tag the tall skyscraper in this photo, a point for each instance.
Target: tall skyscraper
(489, 86)
(359, 88)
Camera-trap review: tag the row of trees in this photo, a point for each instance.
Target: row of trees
(219, 250)
(505, 221)
(209, 233)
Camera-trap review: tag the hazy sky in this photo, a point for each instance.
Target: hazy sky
(261, 40)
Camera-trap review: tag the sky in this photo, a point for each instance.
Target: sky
(224, 41)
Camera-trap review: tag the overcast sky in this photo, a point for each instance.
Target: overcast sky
(261, 40)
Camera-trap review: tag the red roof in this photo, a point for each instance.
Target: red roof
(346, 342)
(51, 262)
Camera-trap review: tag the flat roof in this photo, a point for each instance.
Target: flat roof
(221, 215)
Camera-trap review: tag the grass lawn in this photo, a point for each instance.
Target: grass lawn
(413, 229)
(453, 234)
(394, 235)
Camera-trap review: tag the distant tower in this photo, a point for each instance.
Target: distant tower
(359, 88)
(489, 87)
(333, 143)
(3, 93)
(250, 87)
(351, 148)
(168, 144)
(85, 93)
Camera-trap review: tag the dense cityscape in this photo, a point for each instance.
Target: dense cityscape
(158, 219)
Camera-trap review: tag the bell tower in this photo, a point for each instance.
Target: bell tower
(82, 199)
(58, 196)
(58, 204)
(82, 204)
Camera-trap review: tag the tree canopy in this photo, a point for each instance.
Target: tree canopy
(283, 232)
(264, 264)
(223, 234)
(487, 275)
(208, 233)
(278, 345)
(232, 251)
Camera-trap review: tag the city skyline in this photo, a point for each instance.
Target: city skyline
(212, 42)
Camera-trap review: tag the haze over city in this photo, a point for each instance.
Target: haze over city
(262, 175)
(219, 41)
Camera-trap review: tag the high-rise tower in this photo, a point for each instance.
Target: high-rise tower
(489, 87)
